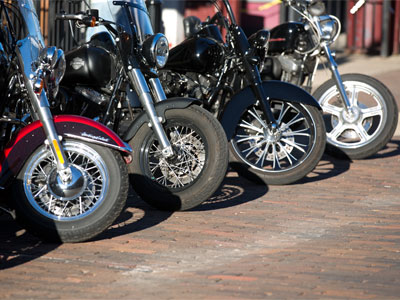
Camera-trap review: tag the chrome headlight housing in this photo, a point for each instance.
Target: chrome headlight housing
(156, 50)
(329, 28)
(52, 63)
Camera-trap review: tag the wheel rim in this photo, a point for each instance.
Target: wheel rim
(362, 123)
(188, 162)
(278, 151)
(39, 183)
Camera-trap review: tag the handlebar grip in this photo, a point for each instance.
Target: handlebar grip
(77, 17)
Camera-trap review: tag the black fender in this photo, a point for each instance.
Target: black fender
(161, 108)
(30, 137)
(273, 89)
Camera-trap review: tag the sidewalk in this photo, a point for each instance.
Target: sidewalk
(385, 69)
(334, 235)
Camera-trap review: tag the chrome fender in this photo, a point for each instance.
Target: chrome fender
(277, 90)
(29, 138)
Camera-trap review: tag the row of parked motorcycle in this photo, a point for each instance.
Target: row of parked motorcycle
(78, 128)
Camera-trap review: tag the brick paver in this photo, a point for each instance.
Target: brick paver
(335, 235)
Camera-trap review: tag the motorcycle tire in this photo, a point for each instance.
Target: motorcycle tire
(284, 157)
(195, 171)
(368, 126)
(81, 212)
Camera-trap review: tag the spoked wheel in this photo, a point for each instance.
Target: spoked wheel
(282, 156)
(76, 210)
(193, 173)
(367, 125)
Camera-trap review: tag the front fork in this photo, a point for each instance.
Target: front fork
(140, 85)
(254, 76)
(42, 108)
(336, 77)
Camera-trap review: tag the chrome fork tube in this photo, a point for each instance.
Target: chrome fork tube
(336, 76)
(140, 85)
(158, 90)
(46, 118)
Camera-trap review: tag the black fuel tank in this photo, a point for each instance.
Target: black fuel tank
(285, 37)
(88, 65)
(196, 54)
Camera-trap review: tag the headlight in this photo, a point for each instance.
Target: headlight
(330, 28)
(52, 62)
(260, 39)
(59, 67)
(156, 50)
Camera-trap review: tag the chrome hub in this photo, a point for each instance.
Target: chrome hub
(69, 190)
(352, 115)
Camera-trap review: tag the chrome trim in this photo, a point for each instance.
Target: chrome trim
(127, 149)
(157, 89)
(336, 76)
(140, 85)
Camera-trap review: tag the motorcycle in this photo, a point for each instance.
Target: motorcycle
(179, 149)
(360, 112)
(64, 177)
(275, 129)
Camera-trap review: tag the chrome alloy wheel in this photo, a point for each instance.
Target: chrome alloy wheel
(66, 201)
(277, 150)
(364, 121)
(186, 164)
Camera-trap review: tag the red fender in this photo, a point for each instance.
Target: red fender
(29, 138)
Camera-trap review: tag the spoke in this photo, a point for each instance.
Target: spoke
(247, 125)
(354, 96)
(372, 112)
(282, 113)
(297, 132)
(276, 158)
(296, 145)
(156, 166)
(40, 191)
(360, 130)
(252, 148)
(331, 109)
(248, 137)
(49, 204)
(80, 205)
(191, 157)
(337, 131)
(261, 159)
(257, 117)
(176, 176)
(287, 153)
(293, 121)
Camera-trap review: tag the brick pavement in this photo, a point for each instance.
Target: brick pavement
(335, 234)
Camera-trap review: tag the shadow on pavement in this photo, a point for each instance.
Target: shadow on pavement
(390, 150)
(18, 246)
(233, 191)
(128, 223)
(328, 167)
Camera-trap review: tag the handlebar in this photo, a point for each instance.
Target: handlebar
(89, 18)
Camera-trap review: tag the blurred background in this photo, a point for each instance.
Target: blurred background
(373, 29)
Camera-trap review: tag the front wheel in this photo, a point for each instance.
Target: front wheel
(80, 209)
(284, 155)
(193, 173)
(367, 125)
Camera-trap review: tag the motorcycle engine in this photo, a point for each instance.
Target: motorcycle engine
(188, 84)
(291, 67)
(288, 67)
